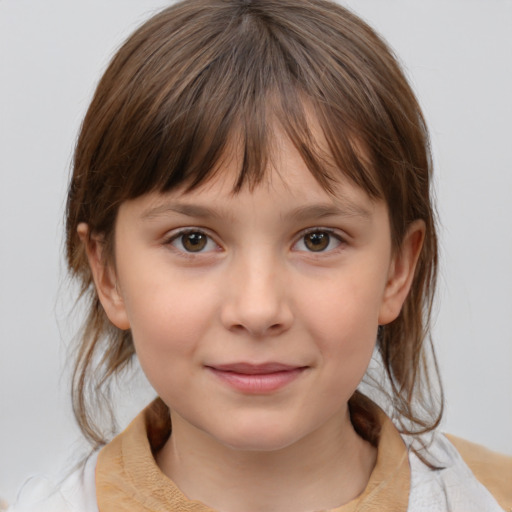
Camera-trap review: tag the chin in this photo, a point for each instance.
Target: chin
(257, 437)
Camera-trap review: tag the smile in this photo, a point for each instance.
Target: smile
(257, 379)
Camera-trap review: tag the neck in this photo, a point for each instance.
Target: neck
(327, 469)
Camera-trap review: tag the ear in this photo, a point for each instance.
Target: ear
(401, 272)
(104, 278)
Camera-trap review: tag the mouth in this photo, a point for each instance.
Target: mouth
(257, 378)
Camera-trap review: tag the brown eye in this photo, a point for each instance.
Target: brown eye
(191, 241)
(194, 242)
(317, 241)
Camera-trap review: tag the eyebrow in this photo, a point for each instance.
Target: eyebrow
(301, 213)
(321, 211)
(190, 210)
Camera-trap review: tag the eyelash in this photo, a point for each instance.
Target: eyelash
(332, 235)
(178, 237)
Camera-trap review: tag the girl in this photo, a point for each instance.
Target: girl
(250, 216)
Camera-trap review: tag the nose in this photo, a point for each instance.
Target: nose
(257, 300)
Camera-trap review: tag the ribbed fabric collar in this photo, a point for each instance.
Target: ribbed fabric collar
(129, 480)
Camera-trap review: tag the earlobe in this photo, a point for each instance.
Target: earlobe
(104, 277)
(401, 272)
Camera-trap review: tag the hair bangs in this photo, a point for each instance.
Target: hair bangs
(196, 98)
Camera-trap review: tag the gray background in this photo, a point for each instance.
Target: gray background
(458, 55)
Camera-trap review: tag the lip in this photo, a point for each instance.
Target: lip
(257, 378)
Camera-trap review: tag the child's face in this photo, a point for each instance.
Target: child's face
(255, 315)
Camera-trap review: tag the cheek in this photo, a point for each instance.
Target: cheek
(342, 316)
(348, 300)
(168, 318)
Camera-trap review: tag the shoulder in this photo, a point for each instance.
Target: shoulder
(76, 493)
(492, 469)
(453, 485)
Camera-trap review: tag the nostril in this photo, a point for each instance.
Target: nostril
(258, 331)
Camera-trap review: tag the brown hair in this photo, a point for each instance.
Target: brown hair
(203, 72)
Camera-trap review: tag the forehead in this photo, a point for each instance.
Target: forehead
(287, 185)
(294, 155)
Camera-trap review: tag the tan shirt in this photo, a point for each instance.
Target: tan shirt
(129, 480)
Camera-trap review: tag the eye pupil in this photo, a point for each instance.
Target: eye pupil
(317, 241)
(194, 242)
